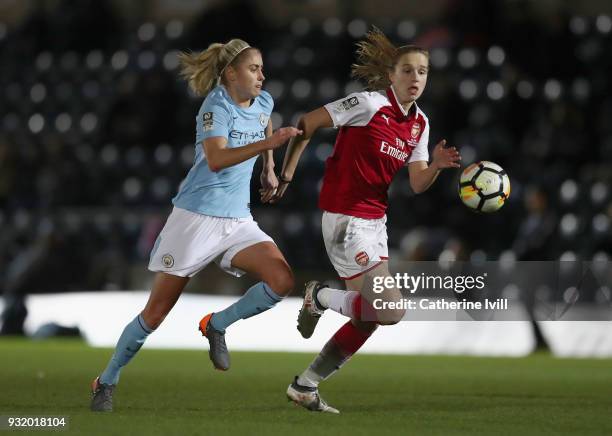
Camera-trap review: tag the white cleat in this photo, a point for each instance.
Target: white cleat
(310, 312)
(308, 398)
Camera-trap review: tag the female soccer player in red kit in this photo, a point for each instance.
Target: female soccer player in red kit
(380, 131)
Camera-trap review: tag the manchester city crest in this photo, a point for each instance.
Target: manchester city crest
(168, 260)
(263, 120)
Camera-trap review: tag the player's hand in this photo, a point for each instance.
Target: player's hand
(445, 157)
(281, 136)
(283, 184)
(269, 185)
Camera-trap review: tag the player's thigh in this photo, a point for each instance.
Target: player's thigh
(265, 262)
(167, 289)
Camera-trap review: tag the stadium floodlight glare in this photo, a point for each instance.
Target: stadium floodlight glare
(146, 32)
(552, 89)
(578, 25)
(569, 191)
(496, 55)
(300, 26)
(174, 29)
(468, 89)
(171, 61)
(467, 58)
(357, 28)
(569, 224)
(495, 90)
(601, 223)
(525, 89)
(94, 59)
(599, 192)
(276, 118)
(332, 27)
(581, 88)
(603, 24)
(439, 58)
(406, 29)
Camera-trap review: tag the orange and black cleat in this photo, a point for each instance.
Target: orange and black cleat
(218, 353)
(101, 396)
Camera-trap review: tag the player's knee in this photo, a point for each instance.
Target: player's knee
(386, 307)
(282, 282)
(390, 316)
(389, 321)
(365, 326)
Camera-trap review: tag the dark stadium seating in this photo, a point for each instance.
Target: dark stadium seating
(89, 129)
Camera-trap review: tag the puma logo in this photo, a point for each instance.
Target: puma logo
(386, 118)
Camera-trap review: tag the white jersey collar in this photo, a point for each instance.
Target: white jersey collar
(399, 105)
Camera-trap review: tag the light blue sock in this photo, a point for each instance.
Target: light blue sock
(257, 299)
(133, 337)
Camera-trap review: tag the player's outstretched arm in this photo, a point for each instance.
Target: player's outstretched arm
(219, 156)
(422, 175)
(308, 125)
(268, 180)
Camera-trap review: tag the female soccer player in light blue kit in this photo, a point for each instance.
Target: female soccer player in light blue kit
(211, 220)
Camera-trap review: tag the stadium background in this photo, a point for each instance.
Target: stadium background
(97, 130)
(96, 133)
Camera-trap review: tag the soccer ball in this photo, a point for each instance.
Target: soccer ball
(484, 186)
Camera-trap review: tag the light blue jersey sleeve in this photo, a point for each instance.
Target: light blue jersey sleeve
(214, 118)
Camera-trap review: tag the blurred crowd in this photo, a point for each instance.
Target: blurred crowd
(96, 134)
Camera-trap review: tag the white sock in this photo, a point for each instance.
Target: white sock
(324, 295)
(309, 378)
(337, 300)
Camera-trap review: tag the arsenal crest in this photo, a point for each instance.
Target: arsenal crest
(362, 258)
(415, 130)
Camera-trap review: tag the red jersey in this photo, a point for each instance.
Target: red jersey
(376, 138)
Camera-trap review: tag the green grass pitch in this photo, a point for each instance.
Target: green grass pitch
(169, 392)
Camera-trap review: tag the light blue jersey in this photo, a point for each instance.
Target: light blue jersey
(227, 192)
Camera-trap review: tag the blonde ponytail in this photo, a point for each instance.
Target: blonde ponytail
(203, 70)
(376, 57)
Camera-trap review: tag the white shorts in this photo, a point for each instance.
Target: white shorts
(354, 245)
(190, 241)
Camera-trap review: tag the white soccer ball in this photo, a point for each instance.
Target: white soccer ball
(484, 186)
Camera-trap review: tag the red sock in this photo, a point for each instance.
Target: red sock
(349, 338)
(363, 310)
(336, 352)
